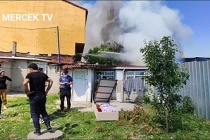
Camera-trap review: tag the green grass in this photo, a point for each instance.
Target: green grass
(83, 125)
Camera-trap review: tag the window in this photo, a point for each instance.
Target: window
(107, 74)
(43, 66)
(134, 74)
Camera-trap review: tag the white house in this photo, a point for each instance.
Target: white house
(84, 76)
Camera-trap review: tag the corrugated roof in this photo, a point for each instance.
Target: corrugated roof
(189, 59)
(63, 60)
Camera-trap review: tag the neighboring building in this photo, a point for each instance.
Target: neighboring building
(49, 33)
(32, 24)
(36, 41)
(87, 76)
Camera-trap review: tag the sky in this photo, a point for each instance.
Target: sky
(195, 14)
(132, 22)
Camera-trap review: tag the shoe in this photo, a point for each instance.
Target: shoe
(1, 116)
(49, 128)
(38, 133)
(41, 121)
(4, 107)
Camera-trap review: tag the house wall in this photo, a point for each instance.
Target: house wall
(93, 84)
(19, 71)
(54, 74)
(119, 94)
(90, 79)
(119, 88)
(39, 35)
(16, 70)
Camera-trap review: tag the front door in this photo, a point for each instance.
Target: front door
(80, 85)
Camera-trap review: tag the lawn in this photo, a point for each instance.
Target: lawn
(83, 125)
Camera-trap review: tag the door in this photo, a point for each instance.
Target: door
(80, 85)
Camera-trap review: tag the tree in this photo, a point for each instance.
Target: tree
(166, 75)
(96, 54)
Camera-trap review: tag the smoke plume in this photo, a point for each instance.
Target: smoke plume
(131, 23)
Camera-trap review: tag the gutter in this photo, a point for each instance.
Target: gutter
(24, 58)
(137, 67)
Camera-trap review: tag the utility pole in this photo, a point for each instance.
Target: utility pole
(58, 44)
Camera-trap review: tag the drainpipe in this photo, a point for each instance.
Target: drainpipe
(122, 83)
(72, 86)
(58, 44)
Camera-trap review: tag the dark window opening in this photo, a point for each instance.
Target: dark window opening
(79, 48)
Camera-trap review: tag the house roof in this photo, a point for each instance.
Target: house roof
(66, 61)
(63, 60)
(127, 66)
(98, 66)
(189, 59)
(3, 60)
(85, 66)
(69, 2)
(9, 54)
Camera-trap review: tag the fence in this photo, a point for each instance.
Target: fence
(198, 85)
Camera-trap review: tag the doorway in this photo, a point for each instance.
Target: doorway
(80, 85)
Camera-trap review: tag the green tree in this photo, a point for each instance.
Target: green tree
(166, 75)
(95, 55)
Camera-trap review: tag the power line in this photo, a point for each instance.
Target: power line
(26, 28)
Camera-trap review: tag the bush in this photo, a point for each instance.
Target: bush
(145, 99)
(187, 106)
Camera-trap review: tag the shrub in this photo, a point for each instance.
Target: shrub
(187, 106)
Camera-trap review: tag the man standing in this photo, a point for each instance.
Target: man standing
(37, 95)
(65, 89)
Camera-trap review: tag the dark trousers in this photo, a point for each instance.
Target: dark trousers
(65, 93)
(37, 107)
(0, 104)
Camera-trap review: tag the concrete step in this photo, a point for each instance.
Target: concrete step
(45, 135)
